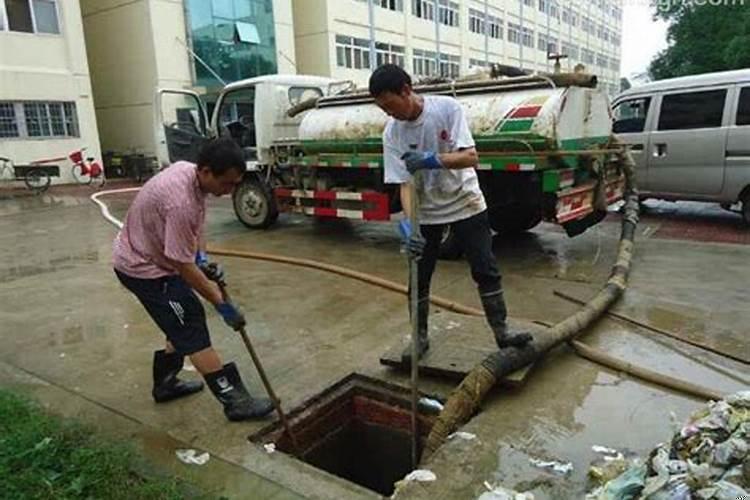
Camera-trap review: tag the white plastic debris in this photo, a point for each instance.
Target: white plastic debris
(62, 354)
(468, 436)
(554, 465)
(421, 475)
(501, 493)
(604, 450)
(126, 326)
(270, 447)
(191, 457)
(432, 404)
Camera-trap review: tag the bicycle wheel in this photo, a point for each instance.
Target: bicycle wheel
(37, 179)
(80, 176)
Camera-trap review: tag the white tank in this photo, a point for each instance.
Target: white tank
(563, 115)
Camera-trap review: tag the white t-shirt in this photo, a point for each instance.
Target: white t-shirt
(445, 195)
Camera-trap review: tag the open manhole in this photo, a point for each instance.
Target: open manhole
(358, 429)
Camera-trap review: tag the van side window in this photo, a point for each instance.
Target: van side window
(630, 115)
(692, 110)
(743, 108)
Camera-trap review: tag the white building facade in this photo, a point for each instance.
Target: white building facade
(333, 36)
(46, 104)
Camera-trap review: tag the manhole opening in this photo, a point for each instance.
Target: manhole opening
(358, 429)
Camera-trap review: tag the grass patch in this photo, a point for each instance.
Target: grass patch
(43, 456)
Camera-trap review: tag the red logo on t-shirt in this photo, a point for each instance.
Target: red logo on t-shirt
(444, 135)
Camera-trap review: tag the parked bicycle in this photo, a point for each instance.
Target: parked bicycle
(36, 177)
(84, 170)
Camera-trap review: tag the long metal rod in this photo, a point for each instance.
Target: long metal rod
(414, 309)
(266, 383)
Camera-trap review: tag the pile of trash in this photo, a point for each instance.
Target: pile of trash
(707, 459)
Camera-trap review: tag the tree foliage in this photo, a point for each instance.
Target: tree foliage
(703, 37)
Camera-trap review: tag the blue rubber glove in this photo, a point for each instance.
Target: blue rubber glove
(231, 315)
(414, 243)
(421, 161)
(212, 270)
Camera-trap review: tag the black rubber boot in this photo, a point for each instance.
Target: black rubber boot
(228, 388)
(166, 384)
(423, 341)
(496, 312)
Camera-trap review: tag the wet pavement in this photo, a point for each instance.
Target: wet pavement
(76, 339)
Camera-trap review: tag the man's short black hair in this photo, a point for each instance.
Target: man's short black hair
(221, 155)
(388, 78)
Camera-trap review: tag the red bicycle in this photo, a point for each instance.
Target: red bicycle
(84, 170)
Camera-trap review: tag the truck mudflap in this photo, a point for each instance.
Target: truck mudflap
(577, 203)
(339, 204)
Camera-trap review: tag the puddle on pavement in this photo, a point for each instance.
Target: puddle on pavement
(358, 429)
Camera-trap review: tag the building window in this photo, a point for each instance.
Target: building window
(395, 5)
(602, 61)
(450, 66)
(692, 110)
(542, 42)
(389, 54)
(478, 24)
(38, 119)
(448, 13)
(236, 38)
(552, 45)
(424, 62)
(743, 108)
(514, 33)
(423, 9)
(29, 16)
(614, 64)
(478, 63)
(554, 10)
(8, 122)
(543, 5)
(476, 21)
(587, 56)
(570, 50)
(352, 52)
(527, 37)
(530, 3)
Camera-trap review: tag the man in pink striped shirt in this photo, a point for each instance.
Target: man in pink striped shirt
(159, 255)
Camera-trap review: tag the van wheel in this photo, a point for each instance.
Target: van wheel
(255, 204)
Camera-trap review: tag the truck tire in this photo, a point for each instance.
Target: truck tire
(254, 204)
(514, 221)
(450, 247)
(746, 207)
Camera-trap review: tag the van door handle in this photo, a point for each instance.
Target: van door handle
(636, 147)
(660, 150)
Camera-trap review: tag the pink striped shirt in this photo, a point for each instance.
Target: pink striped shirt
(163, 224)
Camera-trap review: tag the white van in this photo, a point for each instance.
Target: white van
(690, 137)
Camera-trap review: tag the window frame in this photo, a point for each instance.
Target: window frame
(670, 94)
(34, 26)
(68, 114)
(650, 101)
(740, 91)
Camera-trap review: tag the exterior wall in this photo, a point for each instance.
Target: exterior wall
(286, 59)
(313, 40)
(136, 46)
(121, 53)
(49, 67)
(317, 22)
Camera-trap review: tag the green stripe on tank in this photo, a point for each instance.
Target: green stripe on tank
(516, 125)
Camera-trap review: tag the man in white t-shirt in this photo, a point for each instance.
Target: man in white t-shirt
(430, 133)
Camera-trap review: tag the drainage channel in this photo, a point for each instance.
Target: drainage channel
(358, 429)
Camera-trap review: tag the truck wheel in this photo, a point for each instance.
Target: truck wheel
(746, 207)
(450, 247)
(515, 221)
(254, 204)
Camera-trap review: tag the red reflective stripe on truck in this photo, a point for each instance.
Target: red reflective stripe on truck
(380, 212)
(526, 112)
(324, 195)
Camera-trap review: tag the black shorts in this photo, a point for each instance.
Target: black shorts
(174, 307)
